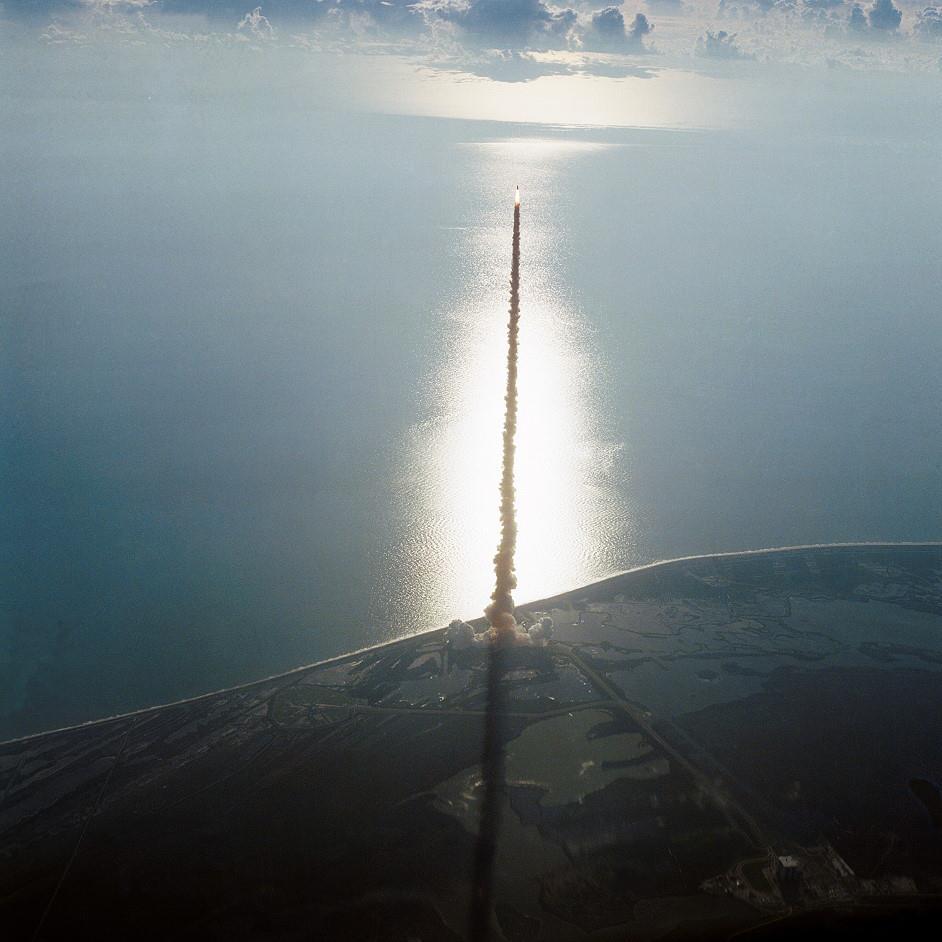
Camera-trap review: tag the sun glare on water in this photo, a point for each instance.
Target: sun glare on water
(566, 513)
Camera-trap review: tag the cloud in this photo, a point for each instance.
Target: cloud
(884, 16)
(512, 40)
(399, 16)
(745, 8)
(107, 6)
(541, 632)
(609, 25)
(256, 23)
(720, 45)
(506, 23)
(57, 35)
(605, 68)
(639, 28)
(459, 635)
(138, 22)
(929, 23)
(607, 31)
(504, 65)
(857, 22)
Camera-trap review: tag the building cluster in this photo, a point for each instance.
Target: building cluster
(806, 876)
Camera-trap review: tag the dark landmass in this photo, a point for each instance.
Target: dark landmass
(931, 796)
(707, 747)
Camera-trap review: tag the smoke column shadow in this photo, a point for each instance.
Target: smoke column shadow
(492, 777)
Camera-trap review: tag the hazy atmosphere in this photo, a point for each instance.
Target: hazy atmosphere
(253, 298)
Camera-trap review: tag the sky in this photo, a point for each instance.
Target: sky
(253, 275)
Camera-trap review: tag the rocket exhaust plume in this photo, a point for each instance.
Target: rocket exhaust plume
(500, 613)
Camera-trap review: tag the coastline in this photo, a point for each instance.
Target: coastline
(560, 599)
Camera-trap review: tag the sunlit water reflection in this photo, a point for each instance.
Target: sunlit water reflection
(570, 516)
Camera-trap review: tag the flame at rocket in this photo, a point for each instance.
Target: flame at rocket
(500, 613)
